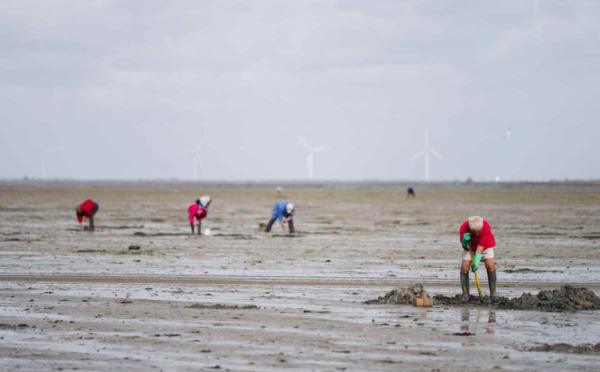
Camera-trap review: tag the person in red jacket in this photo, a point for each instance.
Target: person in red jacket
(198, 211)
(478, 243)
(87, 209)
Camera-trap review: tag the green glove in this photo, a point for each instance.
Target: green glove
(476, 261)
(466, 241)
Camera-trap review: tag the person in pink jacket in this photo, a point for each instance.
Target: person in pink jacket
(87, 210)
(198, 211)
(478, 242)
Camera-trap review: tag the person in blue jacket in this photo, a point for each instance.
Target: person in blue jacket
(284, 212)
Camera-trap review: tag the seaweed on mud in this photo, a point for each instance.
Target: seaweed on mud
(564, 299)
(135, 252)
(589, 236)
(221, 307)
(12, 240)
(328, 232)
(464, 333)
(236, 236)
(14, 327)
(90, 251)
(119, 227)
(527, 270)
(568, 348)
(141, 233)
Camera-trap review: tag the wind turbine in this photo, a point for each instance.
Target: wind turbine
(196, 160)
(43, 155)
(310, 155)
(425, 154)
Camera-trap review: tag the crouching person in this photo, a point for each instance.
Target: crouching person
(283, 211)
(87, 210)
(197, 212)
(478, 243)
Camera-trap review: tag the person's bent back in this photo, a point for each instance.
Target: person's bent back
(87, 210)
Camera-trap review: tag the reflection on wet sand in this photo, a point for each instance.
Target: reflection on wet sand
(468, 328)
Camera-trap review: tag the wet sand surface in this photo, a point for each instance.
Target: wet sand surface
(242, 300)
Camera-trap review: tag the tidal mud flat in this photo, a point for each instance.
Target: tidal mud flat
(241, 300)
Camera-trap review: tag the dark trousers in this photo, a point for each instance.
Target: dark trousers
(270, 224)
(272, 221)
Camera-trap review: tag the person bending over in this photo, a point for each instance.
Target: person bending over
(283, 211)
(198, 211)
(478, 243)
(87, 210)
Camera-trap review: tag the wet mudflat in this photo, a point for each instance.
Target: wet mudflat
(241, 300)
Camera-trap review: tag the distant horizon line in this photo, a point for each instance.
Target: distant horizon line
(322, 182)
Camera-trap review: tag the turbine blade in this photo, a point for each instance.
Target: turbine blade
(434, 153)
(196, 151)
(418, 155)
(50, 150)
(321, 149)
(304, 143)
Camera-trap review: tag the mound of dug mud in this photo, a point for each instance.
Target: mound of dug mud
(593, 349)
(564, 299)
(400, 296)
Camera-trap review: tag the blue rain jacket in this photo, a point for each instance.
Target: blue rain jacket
(279, 211)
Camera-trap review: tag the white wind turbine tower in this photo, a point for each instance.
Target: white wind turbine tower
(43, 155)
(310, 155)
(425, 154)
(196, 160)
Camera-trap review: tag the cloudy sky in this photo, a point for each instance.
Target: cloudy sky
(132, 89)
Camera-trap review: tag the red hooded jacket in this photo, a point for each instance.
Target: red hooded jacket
(87, 209)
(485, 237)
(196, 212)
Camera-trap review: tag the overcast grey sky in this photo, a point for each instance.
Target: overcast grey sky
(129, 89)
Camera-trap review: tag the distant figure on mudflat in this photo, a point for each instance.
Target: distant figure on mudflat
(198, 211)
(283, 211)
(410, 192)
(478, 243)
(87, 210)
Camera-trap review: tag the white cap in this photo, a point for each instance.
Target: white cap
(289, 208)
(475, 223)
(204, 200)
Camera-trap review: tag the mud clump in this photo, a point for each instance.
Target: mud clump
(568, 348)
(402, 296)
(564, 299)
